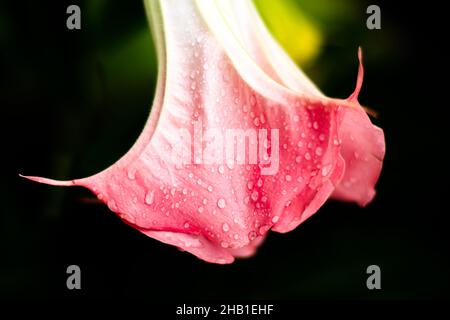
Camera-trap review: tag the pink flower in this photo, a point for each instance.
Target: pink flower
(239, 140)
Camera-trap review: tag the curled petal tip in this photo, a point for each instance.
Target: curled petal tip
(52, 182)
(354, 96)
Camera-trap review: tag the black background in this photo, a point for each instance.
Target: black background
(58, 122)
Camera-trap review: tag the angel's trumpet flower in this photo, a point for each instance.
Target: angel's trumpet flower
(239, 141)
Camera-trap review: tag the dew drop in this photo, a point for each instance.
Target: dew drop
(254, 195)
(326, 170)
(319, 151)
(275, 219)
(112, 205)
(307, 156)
(132, 174)
(221, 203)
(315, 125)
(260, 183)
(288, 178)
(200, 209)
(263, 229)
(251, 235)
(225, 227)
(149, 197)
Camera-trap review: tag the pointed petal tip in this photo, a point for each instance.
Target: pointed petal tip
(52, 182)
(354, 96)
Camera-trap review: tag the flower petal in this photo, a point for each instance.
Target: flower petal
(235, 145)
(363, 149)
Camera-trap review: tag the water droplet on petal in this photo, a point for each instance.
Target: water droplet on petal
(112, 205)
(319, 151)
(260, 183)
(149, 197)
(132, 174)
(275, 219)
(221, 203)
(254, 195)
(262, 230)
(326, 170)
(307, 156)
(315, 125)
(225, 227)
(200, 209)
(252, 235)
(288, 178)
